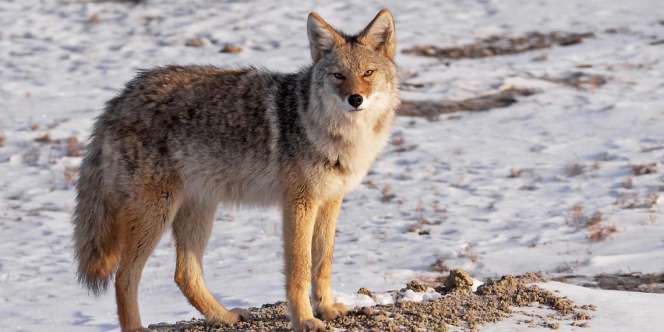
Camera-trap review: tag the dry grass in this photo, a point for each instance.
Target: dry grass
(431, 110)
(43, 138)
(439, 265)
(516, 173)
(421, 223)
(574, 169)
(600, 232)
(500, 45)
(578, 80)
(644, 169)
(594, 223)
(635, 201)
(386, 194)
(470, 253)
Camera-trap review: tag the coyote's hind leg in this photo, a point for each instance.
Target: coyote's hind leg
(141, 225)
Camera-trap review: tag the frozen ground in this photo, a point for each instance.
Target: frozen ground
(571, 152)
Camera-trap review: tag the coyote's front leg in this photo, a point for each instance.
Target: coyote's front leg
(299, 219)
(322, 253)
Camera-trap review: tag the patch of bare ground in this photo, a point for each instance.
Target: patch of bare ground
(501, 45)
(644, 169)
(578, 80)
(458, 306)
(633, 282)
(433, 109)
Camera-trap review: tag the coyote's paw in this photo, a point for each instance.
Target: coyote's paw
(331, 312)
(312, 325)
(141, 329)
(230, 317)
(244, 314)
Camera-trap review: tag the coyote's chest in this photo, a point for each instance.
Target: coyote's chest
(345, 166)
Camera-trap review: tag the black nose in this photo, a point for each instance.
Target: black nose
(355, 100)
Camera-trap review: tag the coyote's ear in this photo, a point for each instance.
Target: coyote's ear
(380, 34)
(322, 36)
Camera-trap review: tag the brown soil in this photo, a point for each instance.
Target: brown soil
(432, 109)
(579, 80)
(492, 302)
(633, 282)
(500, 45)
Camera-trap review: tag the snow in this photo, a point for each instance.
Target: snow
(615, 310)
(57, 67)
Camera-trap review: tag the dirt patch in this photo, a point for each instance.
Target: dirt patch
(457, 306)
(644, 169)
(501, 45)
(633, 282)
(578, 80)
(433, 109)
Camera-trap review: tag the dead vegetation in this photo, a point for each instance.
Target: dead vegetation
(229, 48)
(420, 226)
(644, 169)
(195, 42)
(578, 80)
(400, 145)
(440, 265)
(387, 194)
(516, 173)
(431, 110)
(632, 200)
(460, 307)
(574, 169)
(594, 223)
(43, 138)
(633, 282)
(501, 45)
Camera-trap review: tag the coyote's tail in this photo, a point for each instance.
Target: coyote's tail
(97, 250)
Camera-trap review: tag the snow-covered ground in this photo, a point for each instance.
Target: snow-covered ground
(571, 151)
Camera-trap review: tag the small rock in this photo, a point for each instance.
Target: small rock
(416, 286)
(195, 42)
(228, 48)
(365, 291)
(459, 280)
(644, 169)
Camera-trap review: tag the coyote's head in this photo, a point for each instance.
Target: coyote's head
(354, 74)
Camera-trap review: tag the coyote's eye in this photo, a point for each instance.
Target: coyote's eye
(368, 73)
(339, 76)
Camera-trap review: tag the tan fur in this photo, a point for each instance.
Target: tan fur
(322, 254)
(141, 225)
(178, 141)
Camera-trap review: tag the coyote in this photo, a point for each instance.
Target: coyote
(180, 140)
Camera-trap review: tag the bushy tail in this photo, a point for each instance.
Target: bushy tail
(97, 251)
